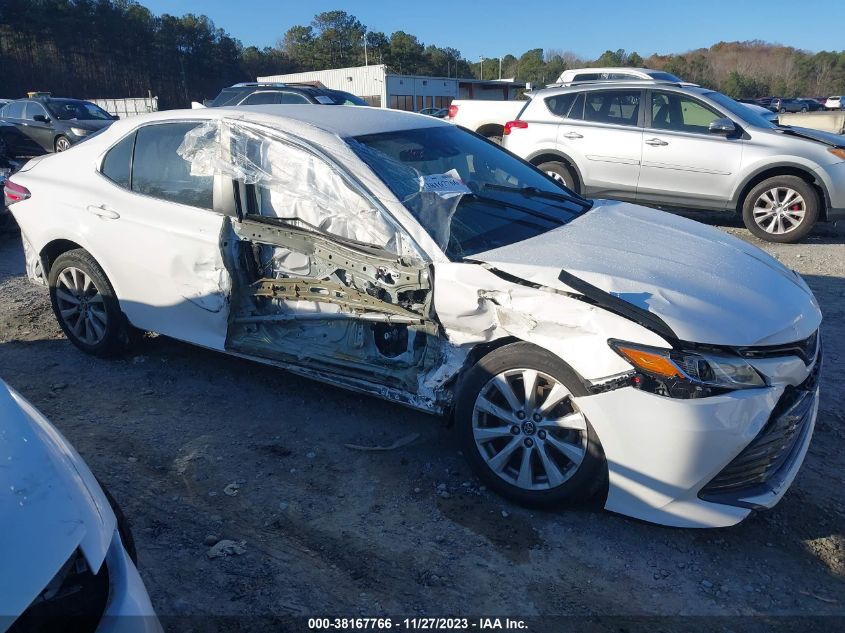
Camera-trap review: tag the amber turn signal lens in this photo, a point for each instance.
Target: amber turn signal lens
(650, 362)
(839, 152)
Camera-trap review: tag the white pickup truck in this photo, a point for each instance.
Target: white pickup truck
(487, 118)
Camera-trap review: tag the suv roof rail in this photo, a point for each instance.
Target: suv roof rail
(623, 82)
(254, 84)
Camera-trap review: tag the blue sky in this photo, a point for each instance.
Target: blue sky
(498, 27)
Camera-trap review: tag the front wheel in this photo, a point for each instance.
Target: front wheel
(781, 209)
(85, 305)
(522, 432)
(560, 173)
(62, 144)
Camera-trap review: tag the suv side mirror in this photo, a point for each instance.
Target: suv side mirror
(41, 118)
(724, 127)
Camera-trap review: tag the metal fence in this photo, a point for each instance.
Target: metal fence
(132, 106)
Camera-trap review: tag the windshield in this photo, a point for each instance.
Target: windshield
(739, 109)
(468, 194)
(340, 97)
(77, 110)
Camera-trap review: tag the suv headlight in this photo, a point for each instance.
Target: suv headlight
(687, 373)
(79, 131)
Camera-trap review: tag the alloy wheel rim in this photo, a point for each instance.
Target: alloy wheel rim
(81, 305)
(528, 430)
(62, 145)
(556, 177)
(780, 210)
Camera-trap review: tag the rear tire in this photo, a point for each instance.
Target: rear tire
(781, 209)
(539, 452)
(560, 173)
(85, 305)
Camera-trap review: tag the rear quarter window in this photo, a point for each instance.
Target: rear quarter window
(118, 162)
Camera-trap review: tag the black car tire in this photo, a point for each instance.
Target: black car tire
(804, 109)
(62, 143)
(560, 172)
(588, 478)
(812, 207)
(116, 331)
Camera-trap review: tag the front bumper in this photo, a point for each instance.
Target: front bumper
(833, 178)
(662, 453)
(128, 609)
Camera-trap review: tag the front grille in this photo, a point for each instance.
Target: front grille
(806, 350)
(759, 467)
(74, 600)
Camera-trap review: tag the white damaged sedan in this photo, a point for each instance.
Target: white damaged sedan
(66, 548)
(582, 347)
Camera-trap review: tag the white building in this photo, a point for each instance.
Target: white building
(386, 89)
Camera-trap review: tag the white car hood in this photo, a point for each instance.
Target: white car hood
(50, 504)
(707, 286)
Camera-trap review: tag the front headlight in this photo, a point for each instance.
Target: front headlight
(79, 131)
(687, 373)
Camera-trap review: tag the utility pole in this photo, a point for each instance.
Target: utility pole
(500, 67)
(365, 48)
(482, 68)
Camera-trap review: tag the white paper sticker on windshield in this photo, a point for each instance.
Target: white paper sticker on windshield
(446, 185)
(324, 99)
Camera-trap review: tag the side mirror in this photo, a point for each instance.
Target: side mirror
(725, 127)
(41, 118)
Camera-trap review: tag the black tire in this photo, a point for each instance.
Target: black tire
(812, 207)
(114, 338)
(123, 527)
(585, 480)
(782, 110)
(561, 173)
(804, 109)
(61, 144)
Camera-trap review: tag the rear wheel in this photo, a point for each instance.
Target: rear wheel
(62, 144)
(522, 432)
(85, 305)
(561, 173)
(781, 209)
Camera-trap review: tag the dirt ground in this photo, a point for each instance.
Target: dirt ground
(327, 530)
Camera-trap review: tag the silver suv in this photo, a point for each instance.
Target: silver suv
(682, 146)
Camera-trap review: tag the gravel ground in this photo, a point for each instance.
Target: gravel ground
(197, 446)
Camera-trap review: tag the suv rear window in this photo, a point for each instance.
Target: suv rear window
(618, 107)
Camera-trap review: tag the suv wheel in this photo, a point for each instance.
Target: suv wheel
(781, 209)
(561, 173)
(521, 431)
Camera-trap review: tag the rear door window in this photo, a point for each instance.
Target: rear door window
(618, 107)
(262, 98)
(159, 171)
(32, 109)
(14, 110)
(293, 97)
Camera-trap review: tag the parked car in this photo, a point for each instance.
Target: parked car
(282, 93)
(579, 75)
(581, 347)
(834, 103)
(67, 551)
(435, 112)
(810, 105)
(48, 124)
(788, 105)
(483, 117)
(672, 145)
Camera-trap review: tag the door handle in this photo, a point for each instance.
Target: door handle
(103, 211)
(573, 135)
(655, 142)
